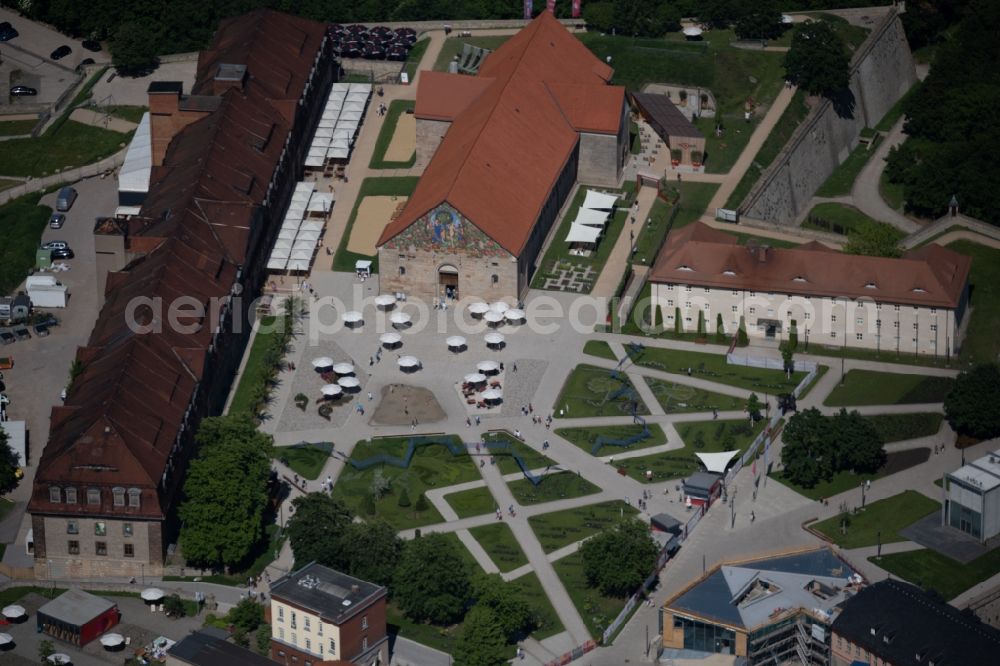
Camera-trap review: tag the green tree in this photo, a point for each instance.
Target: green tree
(720, 329)
(368, 507)
(421, 504)
(701, 322)
(763, 21)
(315, 527)
(678, 324)
(874, 239)
(173, 606)
(600, 15)
(404, 498)
(262, 638)
(134, 48)
(805, 454)
(431, 582)
(971, 406)
(9, 464)
(742, 339)
(45, 648)
(753, 408)
(617, 560)
(817, 60)
(481, 642)
(225, 492)
(859, 446)
(788, 357)
(513, 615)
(370, 551)
(638, 18)
(246, 615)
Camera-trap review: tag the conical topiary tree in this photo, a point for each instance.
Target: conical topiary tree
(404, 498)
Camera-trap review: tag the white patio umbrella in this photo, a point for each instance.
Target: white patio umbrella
(14, 611)
(391, 338)
(385, 300)
(400, 319)
(59, 658)
(344, 368)
(494, 339)
(152, 594)
(6, 639)
(322, 362)
(331, 390)
(455, 342)
(475, 378)
(349, 382)
(493, 317)
(408, 361)
(112, 640)
(786, 19)
(353, 317)
(499, 306)
(692, 31)
(479, 308)
(514, 315)
(488, 367)
(493, 394)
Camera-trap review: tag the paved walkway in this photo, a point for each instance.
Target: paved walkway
(621, 253)
(865, 192)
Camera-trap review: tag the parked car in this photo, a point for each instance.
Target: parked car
(57, 220)
(55, 245)
(61, 52)
(62, 253)
(7, 32)
(22, 91)
(22, 333)
(92, 45)
(6, 337)
(64, 201)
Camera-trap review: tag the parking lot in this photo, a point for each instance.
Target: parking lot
(41, 365)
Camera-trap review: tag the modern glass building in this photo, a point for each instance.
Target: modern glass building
(972, 498)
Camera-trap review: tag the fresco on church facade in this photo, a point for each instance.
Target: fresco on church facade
(445, 230)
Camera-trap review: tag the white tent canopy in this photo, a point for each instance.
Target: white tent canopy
(494, 338)
(112, 640)
(400, 318)
(6, 639)
(581, 233)
(493, 317)
(353, 316)
(390, 338)
(479, 308)
(14, 611)
(323, 362)
(599, 200)
(385, 300)
(499, 306)
(349, 382)
(475, 378)
(716, 462)
(344, 368)
(514, 314)
(492, 394)
(408, 362)
(455, 341)
(592, 218)
(152, 594)
(487, 366)
(331, 390)
(691, 31)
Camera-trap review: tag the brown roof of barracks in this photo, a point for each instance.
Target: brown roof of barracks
(443, 96)
(277, 49)
(699, 255)
(503, 153)
(125, 410)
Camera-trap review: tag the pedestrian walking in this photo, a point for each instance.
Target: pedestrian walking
(369, 396)
(477, 420)
(514, 367)
(468, 424)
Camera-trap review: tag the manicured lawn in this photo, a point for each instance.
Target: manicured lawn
(851, 35)
(842, 179)
(414, 57)
(72, 144)
(843, 219)
(840, 482)
(982, 344)
(14, 594)
(592, 391)
(306, 460)
(396, 108)
(899, 427)
(652, 232)
(5, 506)
(498, 541)
(453, 47)
(715, 436)
(6, 183)
(596, 610)
(472, 502)
(561, 528)
(556, 486)
(22, 221)
(788, 122)
(433, 466)
(132, 114)
(867, 387)
(885, 517)
(713, 367)
(531, 591)
(504, 456)
(255, 372)
(16, 127)
(677, 398)
(586, 438)
(931, 570)
(600, 349)
(371, 187)
(558, 251)
(892, 193)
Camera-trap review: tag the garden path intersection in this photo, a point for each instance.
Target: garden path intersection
(546, 351)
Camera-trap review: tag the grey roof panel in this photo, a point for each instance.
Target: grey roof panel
(76, 607)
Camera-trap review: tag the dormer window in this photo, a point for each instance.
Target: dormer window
(119, 496)
(685, 268)
(55, 494)
(71, 495)
(133, 497)
(870, 285)
(93, 496)
(729, 273)
(919, 290)
(799, 278)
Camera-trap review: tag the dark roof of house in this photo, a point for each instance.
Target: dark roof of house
(174, 87)
(503, 153)
(333, 595)
(665, 115)
(126, 409)
(665, 522)
(701, 481)
(906, 626)
(209, 647)
(703, 256)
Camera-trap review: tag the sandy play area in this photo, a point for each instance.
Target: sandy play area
(373, 214)
(404, 139)
(400, 404)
